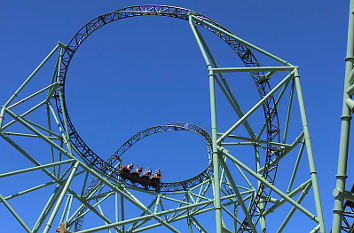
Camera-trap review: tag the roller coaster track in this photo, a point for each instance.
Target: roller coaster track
(172, 127)
(246, 55)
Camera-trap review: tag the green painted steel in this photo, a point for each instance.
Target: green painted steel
(238, 195)
(313, 172)
(216, 179)
(229, 193)
(292, 211)
(252, 69)
(275, 189)
(268, 54)
(225, 89)
(254, 108)
(345, 127)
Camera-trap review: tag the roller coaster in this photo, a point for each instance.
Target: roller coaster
(239, 195)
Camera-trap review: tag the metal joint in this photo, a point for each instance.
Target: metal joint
(346, 118)
(349, 59)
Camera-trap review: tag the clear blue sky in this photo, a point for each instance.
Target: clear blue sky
(120, 69)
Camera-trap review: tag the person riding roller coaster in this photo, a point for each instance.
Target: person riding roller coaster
(124, 171)
(145, 179)
(135, 175)
(156, 179)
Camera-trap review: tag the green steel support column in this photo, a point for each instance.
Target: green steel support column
(116, 209)
(189, 225)
(217, 204)
(216, 187)
(261, 204)
(313, 172)
(235, 215)
(61, 197)
(122, 212)
(345, 129)
(226, 90)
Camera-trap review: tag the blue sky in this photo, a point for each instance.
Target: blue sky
(145, 72)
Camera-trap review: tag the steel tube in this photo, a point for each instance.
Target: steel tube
(244, 42)
(311, 161)
(216, 179)
(254, 108)
(288, 112)
(345, 127)
(238, 195)
(60, 199)
(34, 168)
(227, 91)
(252, 69)
(275, 189)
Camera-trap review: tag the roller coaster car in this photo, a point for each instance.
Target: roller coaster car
(156, 179)
(145, 179)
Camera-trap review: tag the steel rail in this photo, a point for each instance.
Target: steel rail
(171, 127)
(242, 50)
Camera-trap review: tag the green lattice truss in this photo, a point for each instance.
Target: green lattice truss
(229, 195)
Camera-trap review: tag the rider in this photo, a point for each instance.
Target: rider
(157, 174)
(130, 166)
(147, 173)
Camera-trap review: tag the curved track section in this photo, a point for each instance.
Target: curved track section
(175, 186)
(171, 127)
(241, 50)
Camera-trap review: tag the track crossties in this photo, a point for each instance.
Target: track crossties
(245, 54)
